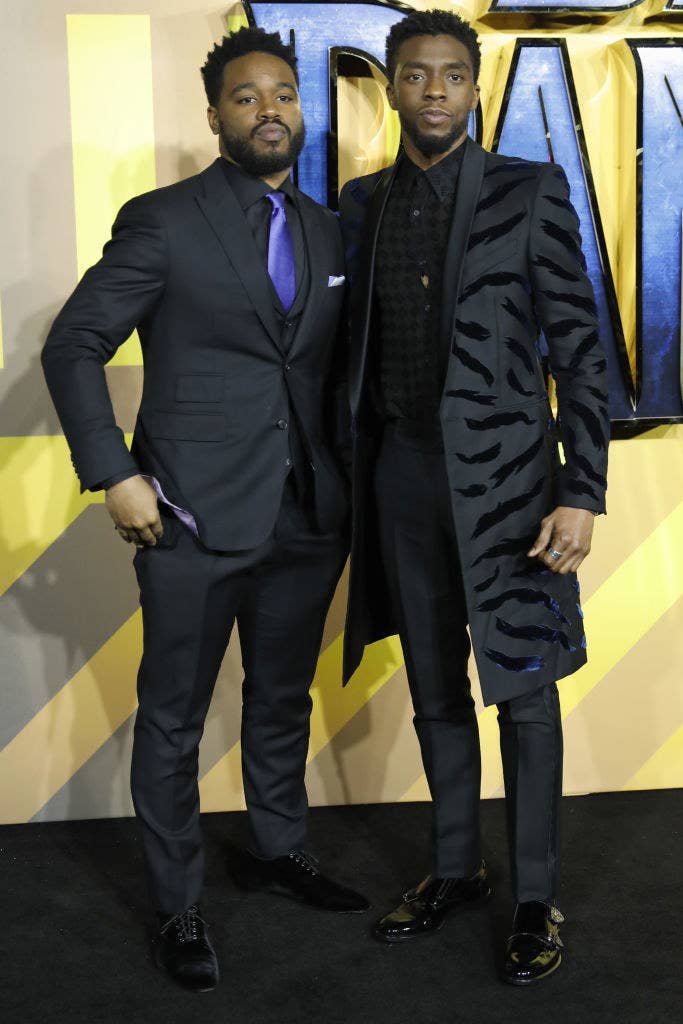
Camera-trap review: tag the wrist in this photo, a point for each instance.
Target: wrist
(112, 481)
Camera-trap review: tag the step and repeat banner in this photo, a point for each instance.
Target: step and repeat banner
(102, 100)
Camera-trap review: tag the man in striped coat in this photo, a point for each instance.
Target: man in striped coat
(463, 511)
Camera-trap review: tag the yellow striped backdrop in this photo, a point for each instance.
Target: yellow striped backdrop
(115, 108)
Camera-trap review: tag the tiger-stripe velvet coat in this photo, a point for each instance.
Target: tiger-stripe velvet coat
(514, 267)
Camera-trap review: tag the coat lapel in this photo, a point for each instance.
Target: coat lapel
(469, 187)
(226, 218)
(362, 309)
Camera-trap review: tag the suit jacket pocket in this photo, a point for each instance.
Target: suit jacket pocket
(185, 426)
(200, 387)
(171, 526)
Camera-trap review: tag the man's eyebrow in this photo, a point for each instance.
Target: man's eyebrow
(252, 85)
(459, 64)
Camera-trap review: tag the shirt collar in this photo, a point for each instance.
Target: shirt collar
(249, 189)
(442, 176)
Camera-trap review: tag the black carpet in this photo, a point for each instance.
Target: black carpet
(74, 945)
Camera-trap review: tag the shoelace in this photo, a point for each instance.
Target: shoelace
(306, 861)
(185, 925)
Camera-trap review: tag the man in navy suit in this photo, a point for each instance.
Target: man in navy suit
(232, 491)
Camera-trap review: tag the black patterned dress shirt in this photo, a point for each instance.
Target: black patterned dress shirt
(411, 251)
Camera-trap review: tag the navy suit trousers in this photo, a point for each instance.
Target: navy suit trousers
(420, 556)
(279, 594)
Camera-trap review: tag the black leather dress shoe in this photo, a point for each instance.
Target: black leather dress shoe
(183, 949)
(534, 949)
(297, 876)
(425, 908)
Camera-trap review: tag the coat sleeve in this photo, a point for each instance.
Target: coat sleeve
(112, 298)
(565, 309)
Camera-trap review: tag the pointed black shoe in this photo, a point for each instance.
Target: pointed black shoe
(534, 949)
(297, 876)
(183, 949)
(425, 908)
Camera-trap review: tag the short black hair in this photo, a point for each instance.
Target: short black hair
(431, 23)
(238, 44)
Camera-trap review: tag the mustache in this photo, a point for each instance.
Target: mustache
(274, 120)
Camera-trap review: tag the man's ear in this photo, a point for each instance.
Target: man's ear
(475, 102)
(391, 96)
(213, 119)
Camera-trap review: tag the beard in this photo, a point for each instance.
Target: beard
(431, 144)
(243, 151)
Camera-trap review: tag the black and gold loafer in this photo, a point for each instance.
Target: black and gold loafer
(534, 950)
(425, 908)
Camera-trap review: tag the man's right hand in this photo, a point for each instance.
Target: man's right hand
(132, 504)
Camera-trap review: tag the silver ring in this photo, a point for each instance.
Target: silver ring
(555, 555)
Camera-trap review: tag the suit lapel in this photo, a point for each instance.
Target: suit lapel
(226, 218)
(362, 310)
(317, 256)
(308, 220)
(469, 187)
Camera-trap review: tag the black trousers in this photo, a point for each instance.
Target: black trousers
(420, 557)
(279, 594)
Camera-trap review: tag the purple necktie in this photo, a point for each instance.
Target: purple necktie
(281, 252)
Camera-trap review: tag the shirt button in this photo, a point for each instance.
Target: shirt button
(416, 213)
(287, 367)
(281, 424)
(288, 462)
(427, 308)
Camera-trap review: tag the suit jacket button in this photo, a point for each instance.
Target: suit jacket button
(288, 462)
(281, 424)
(287, 367)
